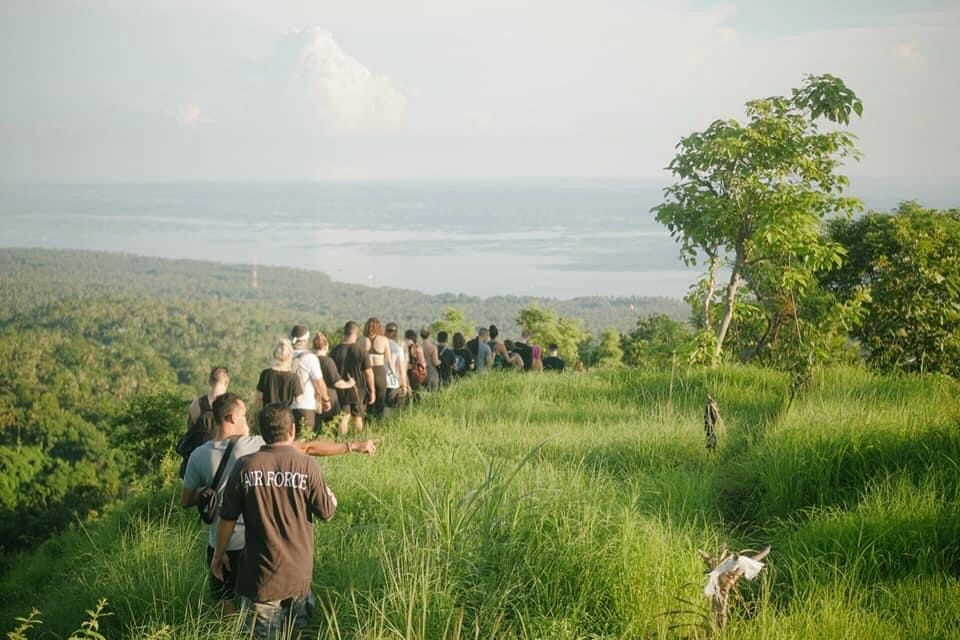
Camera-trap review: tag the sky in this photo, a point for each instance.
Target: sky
(170, 90)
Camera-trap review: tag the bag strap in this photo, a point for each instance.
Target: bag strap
(223, 464)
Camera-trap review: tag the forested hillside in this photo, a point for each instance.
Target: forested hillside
(29, 277)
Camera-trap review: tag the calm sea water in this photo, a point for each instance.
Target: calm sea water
(551, 239)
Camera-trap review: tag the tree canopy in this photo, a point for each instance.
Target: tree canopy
(907, 267)
(749, 199)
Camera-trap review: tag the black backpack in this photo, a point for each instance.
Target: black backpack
(452, 363)
(203, 429)
(474, 345)
(525, 351)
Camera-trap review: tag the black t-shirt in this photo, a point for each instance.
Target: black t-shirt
(279, 386)
(278, 490)
(553, 363)
(330, 377)
(351, 360)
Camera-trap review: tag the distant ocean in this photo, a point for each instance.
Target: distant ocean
(541, 238)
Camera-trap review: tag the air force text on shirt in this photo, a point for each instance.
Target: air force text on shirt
(282, 479)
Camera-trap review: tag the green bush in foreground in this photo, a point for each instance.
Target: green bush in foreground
(572, 506)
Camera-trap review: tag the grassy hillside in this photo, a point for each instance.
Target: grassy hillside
(572, 506)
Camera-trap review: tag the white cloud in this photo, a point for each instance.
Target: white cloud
(349, 98)
(908, 58)
(190, 115)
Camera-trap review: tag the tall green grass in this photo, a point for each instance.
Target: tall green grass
(572, 506)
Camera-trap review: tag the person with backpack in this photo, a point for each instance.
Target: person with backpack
(524, 350)
(316, 395)
(200, 423)
(460, 348)
(501, 357)
(233, 435)
(416, 362)
(446, 356)
(431, 354)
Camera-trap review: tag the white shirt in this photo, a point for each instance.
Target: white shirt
(307, 366)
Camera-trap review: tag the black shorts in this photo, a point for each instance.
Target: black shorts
(304, 419)
(224, 589)
(351, 402)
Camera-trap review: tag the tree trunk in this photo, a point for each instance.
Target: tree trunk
(728, 303)
(710, 289)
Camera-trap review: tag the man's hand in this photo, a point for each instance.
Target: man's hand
(218, 564)
(368, 447)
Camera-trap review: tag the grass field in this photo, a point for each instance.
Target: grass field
(573, 506)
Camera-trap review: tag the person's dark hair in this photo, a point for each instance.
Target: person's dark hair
(217, 374)
(299, 333)
(410, 334)
(274, 422)
(224, 406)
(350, 328)
(459, 342)
(391, 329)
(553, 346)
(424, 332)
(494, 332)
(508, 343)
(320, 341)
(373, 328)
(441, 336)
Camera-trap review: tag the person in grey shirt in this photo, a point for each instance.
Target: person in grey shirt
(484, 357)
(230, 415)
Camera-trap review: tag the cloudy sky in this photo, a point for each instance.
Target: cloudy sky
(130, 90)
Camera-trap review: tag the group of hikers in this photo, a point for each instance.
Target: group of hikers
(260, 493)
(374, 370)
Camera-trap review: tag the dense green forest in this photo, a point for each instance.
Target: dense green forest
(34, 277)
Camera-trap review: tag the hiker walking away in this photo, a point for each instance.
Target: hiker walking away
(553, 361)
(200, 423)
(398, 387)
(278, 383)
(331, 377)
(378, 350)
(352, 363)
(277, 491)
(230, 415)
(432, 356)
(501, 356)
(416, 361)
(316, 395)
(484, 358)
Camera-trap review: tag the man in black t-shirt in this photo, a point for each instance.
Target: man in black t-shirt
(553, 362)
(278, 490)
(353, 364)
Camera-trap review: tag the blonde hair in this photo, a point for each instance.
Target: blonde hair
(282, 355)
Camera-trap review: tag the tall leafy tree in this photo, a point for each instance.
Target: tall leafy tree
(609, 353)
(656, 341)
(907, 265)
(749, 199)
(454, 320)
(546, 328)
